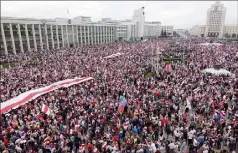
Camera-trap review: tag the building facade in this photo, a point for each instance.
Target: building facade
(152, 29)
(229, 31)
(139, 17)
(198, 30)
(168, 29)
(215, 20)
(22, 34)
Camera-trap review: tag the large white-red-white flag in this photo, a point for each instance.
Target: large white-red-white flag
(45, 109)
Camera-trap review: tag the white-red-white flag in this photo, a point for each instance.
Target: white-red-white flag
(82, 148)
(95, 150)
(45, 109)
(104, 146)
(126, 124)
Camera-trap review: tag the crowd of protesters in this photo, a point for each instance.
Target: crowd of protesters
(176, 110)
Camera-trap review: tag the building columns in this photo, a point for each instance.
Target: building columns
(34, 36)
(77, 36)
(85, 40)
(73, 35)
(67, 36)
(41, 43)
(92, 34)
(27, 38)
(101, 34)
(62, 33)
(46, 37)
(57, 37)
(98, 34)
(81, 35)
(88, 35)
(52, 36)
(95, 34)
(12, 38)
(4, 40)
(20, 39)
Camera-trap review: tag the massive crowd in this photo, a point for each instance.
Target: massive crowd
(178, 110)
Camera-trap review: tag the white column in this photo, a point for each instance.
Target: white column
(77, 36)
(98, 29)
(12, 38)
(88, 35)
(62, 33)
(20, 39)
(73, 35)
(57, 37)
(92, 34)
(27, 38)
(85, 42)
(81, 35)
(4, 40)
(106, 35)
(46, 35)
(34, 36)
(52, 36)
(67, 36)
(101, 34)
(112, 36)
(41, 43)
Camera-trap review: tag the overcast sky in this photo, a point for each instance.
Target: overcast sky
(180, 14)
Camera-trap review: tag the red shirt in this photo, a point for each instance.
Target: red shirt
(90, 147)
(6, 142)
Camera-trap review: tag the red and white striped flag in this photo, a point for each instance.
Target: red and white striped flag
(125, 125)
(104, 146)
(45, 109)
(95, 150)
(229, 110)
(222, 113)
(82, 148)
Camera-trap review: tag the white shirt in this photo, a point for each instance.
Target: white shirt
(190, 135)
(205, 151)
(171, 145)
(195, 143)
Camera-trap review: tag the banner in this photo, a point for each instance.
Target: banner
(114, 55)
(45, 109)
(33, 94)
(173, 59)
(122, 104)
(168, 67)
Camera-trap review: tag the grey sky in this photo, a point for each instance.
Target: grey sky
(180, 14)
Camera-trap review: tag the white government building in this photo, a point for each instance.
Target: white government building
(22, 34)
(215, 24)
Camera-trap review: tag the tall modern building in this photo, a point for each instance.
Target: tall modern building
(215, 20)
(139, 17)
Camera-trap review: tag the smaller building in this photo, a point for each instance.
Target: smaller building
(198, 30)
(167, 29)
(152, 29)
(231, 31)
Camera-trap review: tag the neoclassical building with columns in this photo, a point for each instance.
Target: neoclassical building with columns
(21, 34)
